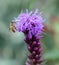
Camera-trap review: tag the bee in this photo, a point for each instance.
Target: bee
(12, 27)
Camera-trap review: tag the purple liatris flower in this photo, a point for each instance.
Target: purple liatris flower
(31, 24)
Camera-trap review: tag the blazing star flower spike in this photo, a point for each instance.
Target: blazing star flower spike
(31, 24)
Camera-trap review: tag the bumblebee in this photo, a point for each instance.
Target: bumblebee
(12, 27)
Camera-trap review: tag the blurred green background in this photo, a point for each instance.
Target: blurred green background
(13, 50)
